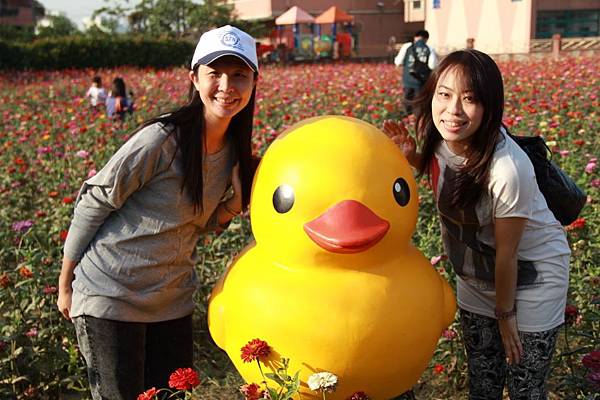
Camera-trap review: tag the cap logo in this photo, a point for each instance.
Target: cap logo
(232, 40)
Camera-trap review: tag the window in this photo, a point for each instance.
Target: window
(437, 4)
(416, 4)
(569, 23)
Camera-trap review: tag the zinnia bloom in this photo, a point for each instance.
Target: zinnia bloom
(22, 226)
(571, 313)
(25, 272)
(592, 360)
(323, 381)
(438, 368)
(184, 379)
(252, 392)
(577, 224)
(255, 349)
(149, 394)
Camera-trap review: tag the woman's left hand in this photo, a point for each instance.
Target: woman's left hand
(510, 339)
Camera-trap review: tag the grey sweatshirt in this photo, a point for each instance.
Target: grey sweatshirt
(134, 231)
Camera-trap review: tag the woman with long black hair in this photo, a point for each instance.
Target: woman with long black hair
(128, 277)
(509, 252)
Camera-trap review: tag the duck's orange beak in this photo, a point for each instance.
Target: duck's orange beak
(347, 227)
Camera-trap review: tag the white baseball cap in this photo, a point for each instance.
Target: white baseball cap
(226, 41)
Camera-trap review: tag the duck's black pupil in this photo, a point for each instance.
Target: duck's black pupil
(401, 192)
(283, 199)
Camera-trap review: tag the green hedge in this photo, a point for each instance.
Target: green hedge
(96, 52)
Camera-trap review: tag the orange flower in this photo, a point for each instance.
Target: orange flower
(25, 272)
(254, 350)
(184, 379)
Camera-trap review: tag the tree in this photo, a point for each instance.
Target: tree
(177, 18)
(55, 25)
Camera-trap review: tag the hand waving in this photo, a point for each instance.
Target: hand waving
(400, 136)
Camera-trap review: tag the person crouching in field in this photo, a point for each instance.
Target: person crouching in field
(509, 252)
(128, 276)
(118, 105)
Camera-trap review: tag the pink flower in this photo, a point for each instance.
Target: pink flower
(33, 332)
(564, 153)
(449, 334)
(596, 183)
(589, 168)
(82, 154)
(436, 259)
(92, 173)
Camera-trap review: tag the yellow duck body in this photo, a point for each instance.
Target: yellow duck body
(322, 288)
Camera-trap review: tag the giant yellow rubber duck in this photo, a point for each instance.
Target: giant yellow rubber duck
(333, 282)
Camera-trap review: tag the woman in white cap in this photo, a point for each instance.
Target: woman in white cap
(128, 277)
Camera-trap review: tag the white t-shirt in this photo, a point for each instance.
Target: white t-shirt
(543, 251)
(96, 95)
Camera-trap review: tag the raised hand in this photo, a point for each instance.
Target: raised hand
(396, 131)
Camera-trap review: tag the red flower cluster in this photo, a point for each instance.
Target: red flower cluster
(254, 350)
(252, 392)
(571, 313)
(149, 394)
(359, 396)
(25, 272)
(439, 368)
(184, 379)
(577, 224)
(4, 280)
(592, 360)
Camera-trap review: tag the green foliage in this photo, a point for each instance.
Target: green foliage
(55, 26)
(94, 51)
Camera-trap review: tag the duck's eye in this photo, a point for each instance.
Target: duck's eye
(401, 192)
(283, 199)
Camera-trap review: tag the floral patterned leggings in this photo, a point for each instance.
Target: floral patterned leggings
(488, 369)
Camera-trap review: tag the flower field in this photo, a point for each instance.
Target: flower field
(50, 141)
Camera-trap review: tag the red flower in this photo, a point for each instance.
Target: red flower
(438, 368)
(149, 394)
(571, 313)
(67, 200)
(592, 360)
(4, 280)
(50, 289)
(63, 235)
(577, 224)
(184, 379)
(359, 396)
(252, 392)
(255, 349)
(25, 272)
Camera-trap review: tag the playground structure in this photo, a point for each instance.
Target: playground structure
(314, 37)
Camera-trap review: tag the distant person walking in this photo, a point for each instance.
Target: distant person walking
(417, 59)
(96, 93)
(118, 105)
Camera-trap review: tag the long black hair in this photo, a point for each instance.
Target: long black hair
(191, 137)
(482, 76)
(118, 87)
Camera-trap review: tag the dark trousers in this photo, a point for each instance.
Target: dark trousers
(488, 369)
(126, 358)
(409, 96)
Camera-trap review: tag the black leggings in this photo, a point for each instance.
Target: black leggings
(488, 369)
(125, 358)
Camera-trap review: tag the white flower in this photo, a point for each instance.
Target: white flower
(324, 381)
